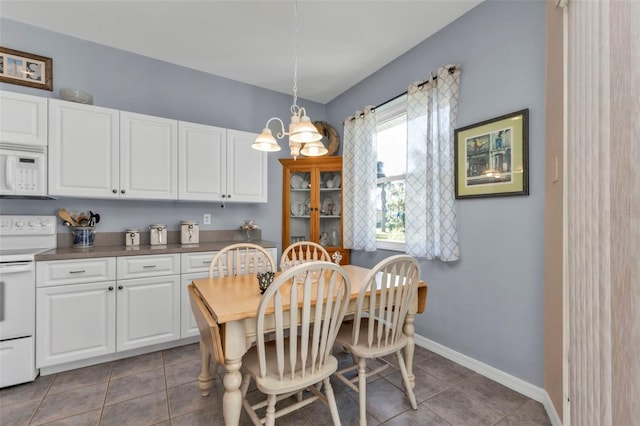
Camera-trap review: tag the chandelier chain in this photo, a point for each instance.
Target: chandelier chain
(295, 54)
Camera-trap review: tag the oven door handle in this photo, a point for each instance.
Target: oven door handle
(9, 171)
(16, 268)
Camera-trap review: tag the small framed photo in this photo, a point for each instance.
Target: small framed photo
(492, 157)
(25, 69)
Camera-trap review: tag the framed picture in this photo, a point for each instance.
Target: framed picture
(492, 157)
(25, 69)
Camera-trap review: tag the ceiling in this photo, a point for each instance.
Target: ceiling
(339, 42)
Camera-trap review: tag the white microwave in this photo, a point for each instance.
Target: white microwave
(23, 170)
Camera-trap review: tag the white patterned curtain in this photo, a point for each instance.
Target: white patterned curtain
(430, 216)
(359, 176)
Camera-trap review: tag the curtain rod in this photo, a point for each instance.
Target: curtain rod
(435, 77)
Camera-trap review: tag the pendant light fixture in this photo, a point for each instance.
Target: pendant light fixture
(304, 138)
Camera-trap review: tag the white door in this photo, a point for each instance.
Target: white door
(247, 173)
(75, 322)
(148, 311)
(23, 119)
(202, 162)
(148, 157)
(83, 150)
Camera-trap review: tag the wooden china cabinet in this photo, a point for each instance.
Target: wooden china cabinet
(312, 203)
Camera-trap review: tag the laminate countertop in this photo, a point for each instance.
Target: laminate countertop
(69, 253)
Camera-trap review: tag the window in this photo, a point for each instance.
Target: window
(391, 138)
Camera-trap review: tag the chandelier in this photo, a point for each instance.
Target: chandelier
(304, 138)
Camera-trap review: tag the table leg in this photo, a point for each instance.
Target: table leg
(409, 349)
(234, 350)
(205, 379)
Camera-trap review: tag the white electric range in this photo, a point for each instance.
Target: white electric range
(21, 238)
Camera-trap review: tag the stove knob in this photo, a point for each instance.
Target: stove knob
(32, 224)
(19, 224)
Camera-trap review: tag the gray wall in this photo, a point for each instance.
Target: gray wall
(125, 81)
(489, 305)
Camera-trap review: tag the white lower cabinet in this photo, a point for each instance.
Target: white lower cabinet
(84, 309)
(148, 311)
(91, 307)
(75, 310)
(75, 322)
(195, 266)
(149, 304)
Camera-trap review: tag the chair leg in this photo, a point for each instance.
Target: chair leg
(362, 390)
(405, 379)
(328, 390)
(246, 381)
(270, 418)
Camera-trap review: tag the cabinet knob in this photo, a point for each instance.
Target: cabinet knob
(224, 196)
(228, 195)
(120, 287)
(110, 288)
(122, 191)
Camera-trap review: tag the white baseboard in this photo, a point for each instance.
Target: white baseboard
(527, 389)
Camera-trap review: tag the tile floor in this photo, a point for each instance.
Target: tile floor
(161, 389)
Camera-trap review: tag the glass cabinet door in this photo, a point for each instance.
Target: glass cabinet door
(300, 212)
(330, 202)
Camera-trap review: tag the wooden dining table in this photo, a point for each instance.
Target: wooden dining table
(233, 302)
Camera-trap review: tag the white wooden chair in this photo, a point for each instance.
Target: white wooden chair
(377, 328)
(303, 250)
(240, 259)
(210, 342)
(286, 366)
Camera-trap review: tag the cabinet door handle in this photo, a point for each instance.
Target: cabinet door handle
(122, 191)
(115, 191)
(82, 271)
(110, 288)
(228, 195)
(120, 287)
(148, 266)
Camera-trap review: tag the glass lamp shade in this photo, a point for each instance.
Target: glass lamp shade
(266, 142)
(313, 149)
(305, 131)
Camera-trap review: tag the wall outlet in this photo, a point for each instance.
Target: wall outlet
(206, 219)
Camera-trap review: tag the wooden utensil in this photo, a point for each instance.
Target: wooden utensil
(66, 216)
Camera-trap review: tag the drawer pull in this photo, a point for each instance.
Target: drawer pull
(120, 287)
(78, 272)
(148, 266)
(206, 262)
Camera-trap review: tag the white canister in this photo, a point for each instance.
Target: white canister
(132, 237)
(189, 232)
(157, 234)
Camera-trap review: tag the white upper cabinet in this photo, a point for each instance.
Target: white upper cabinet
(23, 119)
(84, 143)
(217, 164)
(97, 152)
(148, 157)
(201, 162)
(246, 169)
